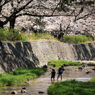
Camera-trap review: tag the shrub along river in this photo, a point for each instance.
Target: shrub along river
(39, 86)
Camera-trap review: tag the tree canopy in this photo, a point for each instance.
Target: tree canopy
(10, 10)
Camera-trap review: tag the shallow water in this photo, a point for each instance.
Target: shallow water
(41, 84)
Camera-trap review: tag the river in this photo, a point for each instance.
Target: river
(39, 86)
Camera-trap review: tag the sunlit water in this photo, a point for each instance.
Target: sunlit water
(33, 87)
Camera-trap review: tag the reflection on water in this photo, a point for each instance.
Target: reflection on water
(40, 85)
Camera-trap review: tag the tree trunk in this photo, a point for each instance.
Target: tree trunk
(12, 22)
(1, 24)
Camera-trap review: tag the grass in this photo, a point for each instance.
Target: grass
(77, 39)
(72, 87)
(16, 35)
(20, 76)
(93, 79)
(59, 63)
(38, 36)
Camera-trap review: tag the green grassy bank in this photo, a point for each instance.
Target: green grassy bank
(59, 63)
(20, 76)
(72, 87)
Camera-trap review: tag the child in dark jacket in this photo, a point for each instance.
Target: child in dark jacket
(53, 75)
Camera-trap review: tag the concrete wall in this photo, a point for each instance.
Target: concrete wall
(38, 53)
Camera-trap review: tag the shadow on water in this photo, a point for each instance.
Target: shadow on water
(40, 85)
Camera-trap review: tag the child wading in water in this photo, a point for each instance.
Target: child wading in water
(53, 75)
(60, 72)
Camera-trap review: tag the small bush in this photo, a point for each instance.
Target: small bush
(76, 39)
(9, 34)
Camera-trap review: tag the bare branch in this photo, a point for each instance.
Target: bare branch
(55, 8)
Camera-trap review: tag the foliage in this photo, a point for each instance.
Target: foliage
(59, 63)
(76, 39)
(20, 76)
(72, 87)
(15, 35)
(9, 34)
(38, 36)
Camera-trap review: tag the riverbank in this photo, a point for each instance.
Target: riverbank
(20, 75)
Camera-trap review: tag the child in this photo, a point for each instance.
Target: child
(53, 75)
(60, 72)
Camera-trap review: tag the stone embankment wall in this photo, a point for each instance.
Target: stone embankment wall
(38, 53)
